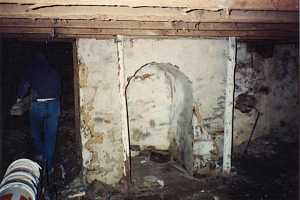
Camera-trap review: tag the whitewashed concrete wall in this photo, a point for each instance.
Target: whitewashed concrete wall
(271, 80)
(150, 107)
(100, 110)
(160, 102)
(203, 62)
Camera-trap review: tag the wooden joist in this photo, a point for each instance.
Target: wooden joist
(138, 32)
(283, 5)
(90, 32)
(145, 25)
(86, 28)
(65, 18)
(145, 14)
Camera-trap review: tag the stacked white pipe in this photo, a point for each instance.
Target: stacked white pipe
(21, 180)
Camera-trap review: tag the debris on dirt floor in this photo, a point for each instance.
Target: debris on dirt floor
(79, 194)
(268, 171)
(216, 198)
(72, 193)
(135, 150)
(63, 173)
(152, 154)
(152, 182)
(143, 161)
(73, 190)
(98, 190)
(68, 155)
(159, 156)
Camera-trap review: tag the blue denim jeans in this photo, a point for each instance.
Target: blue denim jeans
(44, 118)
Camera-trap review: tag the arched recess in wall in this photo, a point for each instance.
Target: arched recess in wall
(160, 101)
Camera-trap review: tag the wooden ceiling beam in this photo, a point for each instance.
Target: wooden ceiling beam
(70, 37)
(26, 30)
(191, 18)
(135, 32)
(282, 5)
(145, 14)
(212, 33)
(276, 5)
(141, 25)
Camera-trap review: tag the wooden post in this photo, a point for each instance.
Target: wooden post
(1, 111)
(229, 101)
(77, 102)
(124, 110)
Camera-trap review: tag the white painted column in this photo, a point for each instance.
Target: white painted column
(124, 110)
(229, 101)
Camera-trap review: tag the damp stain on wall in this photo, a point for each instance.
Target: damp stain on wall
(265, 82)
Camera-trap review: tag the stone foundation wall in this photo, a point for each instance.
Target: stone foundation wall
(179, 96)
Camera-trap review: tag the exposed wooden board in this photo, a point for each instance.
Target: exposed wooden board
(191, 4)
(283, 40)
(98, 37)
(63, 37)
(268, 41)
(264, 16)
(229, 101)
(135, 32)
(144, 25)
(1, 109)
(285, 5)
(44, 36)
(35, 36)
(77, 101)
(194, 4)
(145, 14)
(26, 30)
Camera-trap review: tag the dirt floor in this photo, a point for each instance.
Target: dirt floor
(16, 141)
(268, 171)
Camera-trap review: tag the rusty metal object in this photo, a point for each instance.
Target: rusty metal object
(252, 132)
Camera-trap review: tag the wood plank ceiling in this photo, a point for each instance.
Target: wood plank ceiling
(245, 19)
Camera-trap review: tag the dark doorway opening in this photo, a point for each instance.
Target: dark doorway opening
(16, 134)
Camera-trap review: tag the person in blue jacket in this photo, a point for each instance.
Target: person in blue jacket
(44, 82)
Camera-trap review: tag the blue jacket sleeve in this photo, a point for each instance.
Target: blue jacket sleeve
(23, 87)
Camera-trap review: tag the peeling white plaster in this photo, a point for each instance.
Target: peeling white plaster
(159, 104)
(203, 62)
(99, 101)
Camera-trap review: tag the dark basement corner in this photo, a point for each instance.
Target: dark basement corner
(16, 137)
